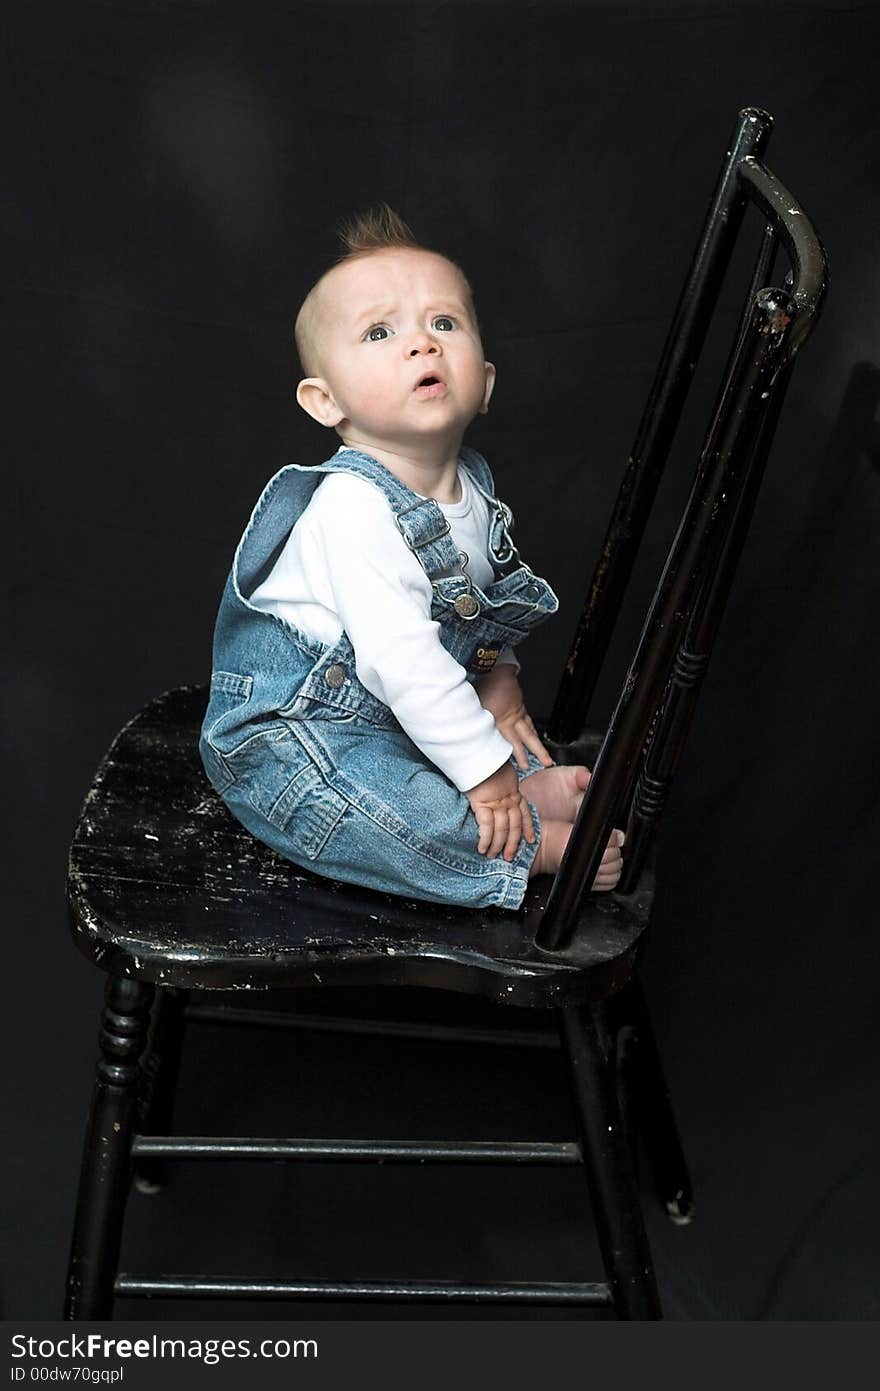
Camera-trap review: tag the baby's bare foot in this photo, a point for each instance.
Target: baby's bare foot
(557, 792)
(554, 838)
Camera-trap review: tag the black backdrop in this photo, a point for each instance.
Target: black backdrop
(176, 172)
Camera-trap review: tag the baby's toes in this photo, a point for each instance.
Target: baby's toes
(578, 781)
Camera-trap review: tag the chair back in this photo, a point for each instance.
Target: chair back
(645, 738)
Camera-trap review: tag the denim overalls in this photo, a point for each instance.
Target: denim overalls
(315, 765)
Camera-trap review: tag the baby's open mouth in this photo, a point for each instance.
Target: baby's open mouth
(430, 386)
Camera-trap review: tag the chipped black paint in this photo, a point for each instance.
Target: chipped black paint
(166, 886)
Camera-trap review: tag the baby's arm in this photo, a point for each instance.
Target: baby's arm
(499, 692)
(382, 597)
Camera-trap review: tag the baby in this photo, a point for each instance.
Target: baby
(365, 717)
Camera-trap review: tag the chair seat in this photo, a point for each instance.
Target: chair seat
(166, 886)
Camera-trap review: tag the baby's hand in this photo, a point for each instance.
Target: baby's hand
(500, 694)
(502, 813)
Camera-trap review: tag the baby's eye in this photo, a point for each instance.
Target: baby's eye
(444, 319)
(375, 328)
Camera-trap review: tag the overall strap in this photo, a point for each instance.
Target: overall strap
(419, 520)
(283, 499)
(502, 551)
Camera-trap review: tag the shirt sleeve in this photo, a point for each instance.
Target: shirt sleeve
(383, 599)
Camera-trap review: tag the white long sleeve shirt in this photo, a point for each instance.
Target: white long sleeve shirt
(345, 567)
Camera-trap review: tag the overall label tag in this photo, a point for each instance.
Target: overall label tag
(485, 658)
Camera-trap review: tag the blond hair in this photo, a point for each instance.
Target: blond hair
(379, 228)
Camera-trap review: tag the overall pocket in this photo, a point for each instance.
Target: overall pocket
(228, 698)
(286, 788)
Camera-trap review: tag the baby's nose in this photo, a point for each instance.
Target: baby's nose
(422, 342)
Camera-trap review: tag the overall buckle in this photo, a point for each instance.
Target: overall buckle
(429, 541)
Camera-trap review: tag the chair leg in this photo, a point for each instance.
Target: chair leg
(608, 1163)
(104, 1177)
(653, 1109)
(624, 1062)
(161, 1067)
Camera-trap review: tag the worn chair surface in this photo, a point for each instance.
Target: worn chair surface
(166, 885)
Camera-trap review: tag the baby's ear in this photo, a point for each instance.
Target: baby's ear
(313, 394)
(490, 386)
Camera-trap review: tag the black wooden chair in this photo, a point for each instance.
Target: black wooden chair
(173, 898)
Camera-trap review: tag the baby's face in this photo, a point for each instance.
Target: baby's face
(388, 321)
